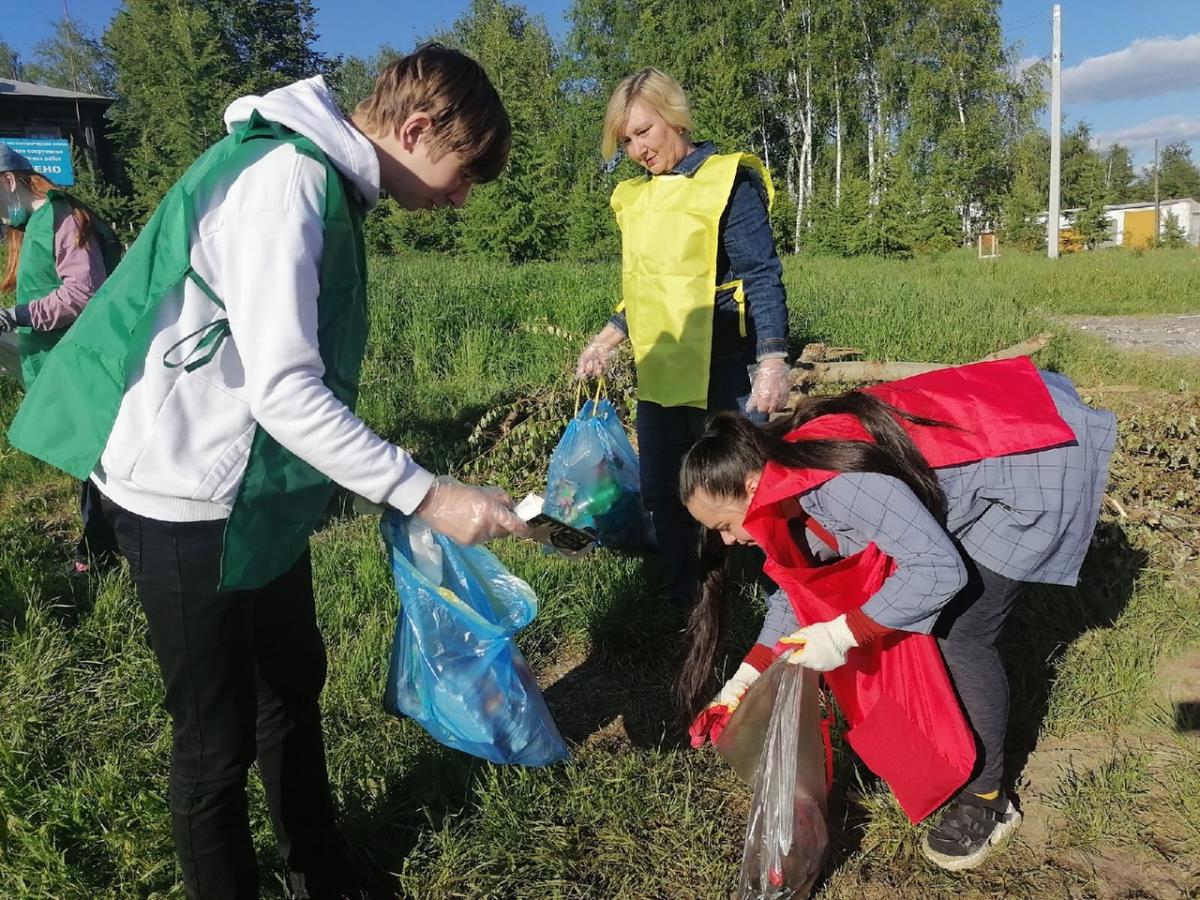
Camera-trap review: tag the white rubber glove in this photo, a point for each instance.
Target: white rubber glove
(771, 385)
(468, 514)
(822, 646)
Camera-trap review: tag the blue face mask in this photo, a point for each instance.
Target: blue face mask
(17, 216)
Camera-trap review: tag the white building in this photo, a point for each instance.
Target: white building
(1133, 223)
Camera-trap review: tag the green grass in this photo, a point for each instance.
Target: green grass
(83, 745)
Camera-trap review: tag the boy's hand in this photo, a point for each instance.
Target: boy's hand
(8, 319)
(821, 646)
(467, 514)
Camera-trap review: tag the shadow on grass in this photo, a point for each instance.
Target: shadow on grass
(1187, 717)
(1044, 623)
(635, 640)
(382, 834)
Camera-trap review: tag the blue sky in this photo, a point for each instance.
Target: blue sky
(1130, 69)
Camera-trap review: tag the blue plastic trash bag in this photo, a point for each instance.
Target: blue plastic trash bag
(455, 667)
(593, 480)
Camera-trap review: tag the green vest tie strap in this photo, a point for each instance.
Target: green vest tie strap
(212, 335)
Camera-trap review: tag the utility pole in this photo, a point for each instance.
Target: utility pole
(1157, 208)
(1052, 234)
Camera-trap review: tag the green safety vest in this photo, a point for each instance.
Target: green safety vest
(68, 414)
(670, 225)
(37, 275)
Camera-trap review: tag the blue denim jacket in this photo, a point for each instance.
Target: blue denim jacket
(746, 251)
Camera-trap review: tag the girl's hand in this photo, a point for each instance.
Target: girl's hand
(822, 646)
(714, 717)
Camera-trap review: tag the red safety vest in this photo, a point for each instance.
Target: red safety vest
(903, 715)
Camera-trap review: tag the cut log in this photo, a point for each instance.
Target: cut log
(807, 374)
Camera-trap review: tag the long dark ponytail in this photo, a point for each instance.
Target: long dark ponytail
(732, 448)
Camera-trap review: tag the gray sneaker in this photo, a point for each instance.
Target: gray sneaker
(967, 830)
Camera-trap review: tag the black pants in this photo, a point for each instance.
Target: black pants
(243, 672)
(968, 630)
(665, 434)
(97, 543)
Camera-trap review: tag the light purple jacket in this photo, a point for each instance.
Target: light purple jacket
(81, 270)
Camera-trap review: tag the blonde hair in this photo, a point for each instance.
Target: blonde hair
(656, 89)
(468, 115)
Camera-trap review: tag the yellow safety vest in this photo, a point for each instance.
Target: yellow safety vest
(669, 230)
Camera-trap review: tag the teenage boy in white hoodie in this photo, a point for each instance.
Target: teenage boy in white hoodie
(208, 392)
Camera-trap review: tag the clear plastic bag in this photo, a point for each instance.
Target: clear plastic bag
(593, 481)
(455, 668)
(774, 741)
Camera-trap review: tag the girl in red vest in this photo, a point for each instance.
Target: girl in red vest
(901, 521)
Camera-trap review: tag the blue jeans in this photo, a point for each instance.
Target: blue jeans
(664, 434)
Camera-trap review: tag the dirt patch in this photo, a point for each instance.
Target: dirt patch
(1174, 335)
(1179, 678)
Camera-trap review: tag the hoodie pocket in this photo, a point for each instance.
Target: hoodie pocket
(198, 444)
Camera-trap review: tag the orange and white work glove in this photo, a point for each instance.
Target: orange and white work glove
(468, 514)
(821, 646)
(771, 385)
(714, 717)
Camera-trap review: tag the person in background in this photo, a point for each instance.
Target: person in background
(58, 254)
(908, 510)
(208, 391)
(703, 307)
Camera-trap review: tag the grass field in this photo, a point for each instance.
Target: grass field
(1104, 747)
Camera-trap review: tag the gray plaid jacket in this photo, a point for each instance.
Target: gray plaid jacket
(1028, 516)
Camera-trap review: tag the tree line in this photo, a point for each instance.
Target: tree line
(891, 127)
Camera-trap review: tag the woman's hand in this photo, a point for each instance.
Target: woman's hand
(593, 361)
(822, 646)
(714, 717)
(771, 385)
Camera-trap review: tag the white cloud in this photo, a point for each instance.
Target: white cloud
(1145, 68)
(1026, 61)
(1140, 138)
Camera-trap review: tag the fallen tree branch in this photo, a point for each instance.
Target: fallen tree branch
(806, 374)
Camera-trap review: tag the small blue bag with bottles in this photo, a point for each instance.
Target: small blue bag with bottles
(455, 667)
(593, 481)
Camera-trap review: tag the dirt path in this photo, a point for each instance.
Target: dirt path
(1174, 335)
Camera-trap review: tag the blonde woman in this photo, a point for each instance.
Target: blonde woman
(703, 299)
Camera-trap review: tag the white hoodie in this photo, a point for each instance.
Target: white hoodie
(178, 449)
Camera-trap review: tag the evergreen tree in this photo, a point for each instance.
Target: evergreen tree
(1178, 176)
(175, 76)
(521, 215)
(1090, 190)
(270, 41)
(74, 60)
(10, 63)
(1174, 235)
